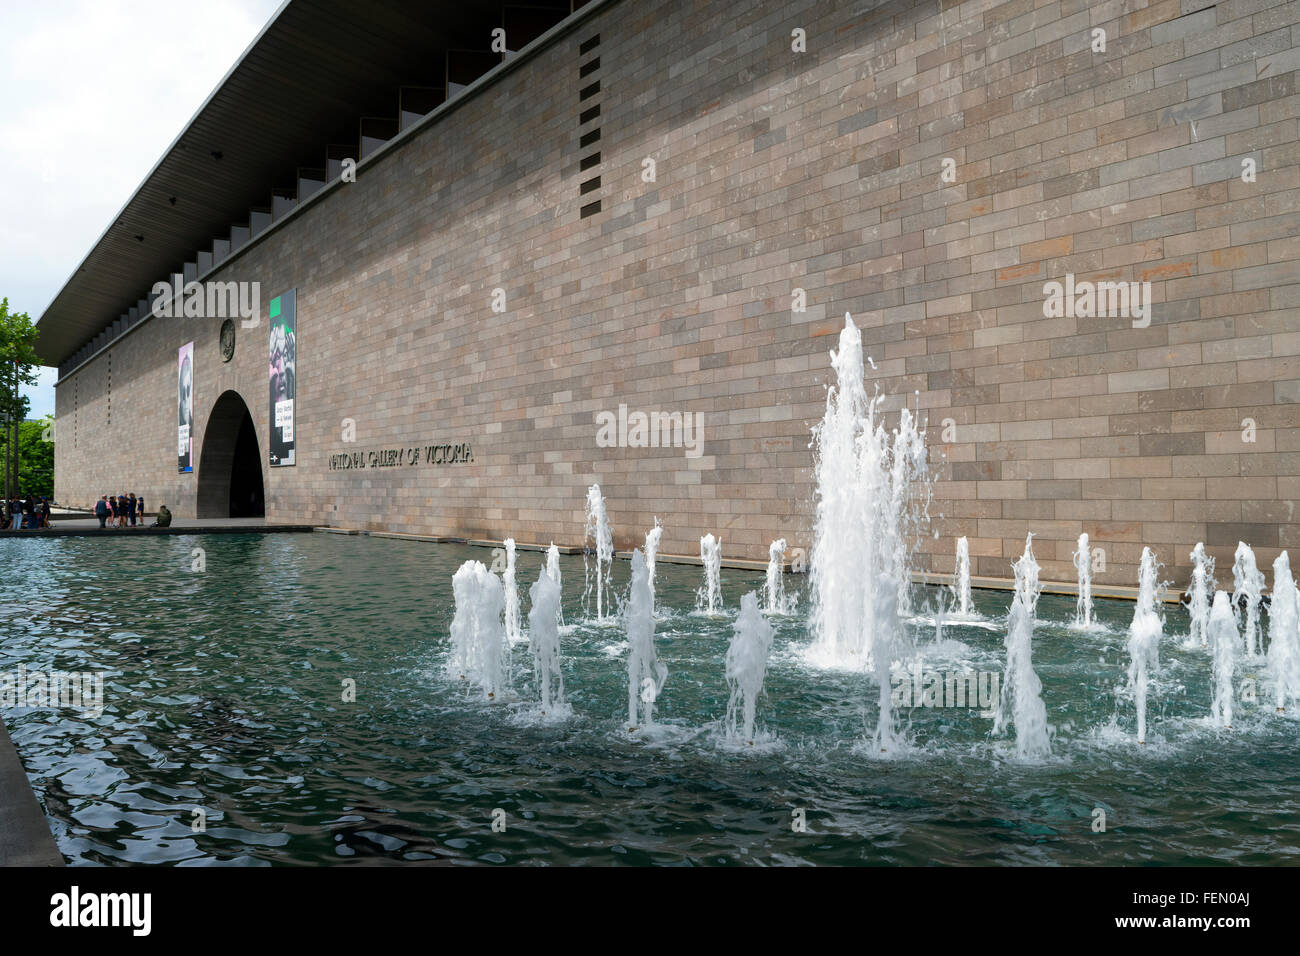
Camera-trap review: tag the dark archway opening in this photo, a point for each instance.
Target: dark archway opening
(230, 465)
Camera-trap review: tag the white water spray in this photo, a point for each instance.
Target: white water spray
(1021, 701)
(645, 674)
(553, 572)
(961, 578)
(480, 652)
(774, 597)
(1144, 638)
(1248, 583)
(751, 642)
(1284, 635)
(1083, 566)
(597, 531)
(1223, 643)
(513, 632)
(544, 641)
(1200, 596)
(867, 516)
(651, 552)
(709, 597)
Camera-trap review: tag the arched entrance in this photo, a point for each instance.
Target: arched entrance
(230, 465)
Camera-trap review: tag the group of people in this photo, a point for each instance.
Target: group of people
(29, 512)
(120, 511)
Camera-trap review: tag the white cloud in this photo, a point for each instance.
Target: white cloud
(94, 92)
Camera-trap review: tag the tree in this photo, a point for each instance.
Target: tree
(36, 458)
(18, 361)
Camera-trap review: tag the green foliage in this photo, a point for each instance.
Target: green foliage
(36, 458)
(18, 362)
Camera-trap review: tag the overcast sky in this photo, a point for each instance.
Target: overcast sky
(93, 91)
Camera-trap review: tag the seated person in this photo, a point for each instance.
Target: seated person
(164, 518)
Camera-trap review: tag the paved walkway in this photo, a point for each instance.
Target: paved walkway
(89, 527)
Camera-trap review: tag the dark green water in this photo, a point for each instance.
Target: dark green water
(223, 691)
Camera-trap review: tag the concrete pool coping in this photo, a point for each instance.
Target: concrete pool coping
(89, 528)
(1115, 591)
(25, 838)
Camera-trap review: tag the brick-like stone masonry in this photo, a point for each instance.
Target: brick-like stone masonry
(775, 170)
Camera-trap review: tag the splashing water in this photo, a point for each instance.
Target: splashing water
(1200, 594)
(544, 641)
(645, 674)
(867, 516)
(651, 552)
(709, 597)
(553, 572)
(774, 597)
(598, 531)
(1223, 642)
(1083, 565)
(1021, 700)
(513, 632)
(751, 642)
(480, 652)
(961, 578)
(1284, 635)
(1144, 638)
(1248, 583)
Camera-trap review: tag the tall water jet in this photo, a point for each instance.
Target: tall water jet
(544, 641)
(1200, 594)
(553, 572)
(1223, 643)
(597, 531)
(961, 578)
(1248, 588)
(645, 674)
(1144, 638)
(651, 552)
(867, 514)
(1083, 567)
(709, 597)
(513, 632)
(746, 666)
(1021, 701)
(774, 596)
(1284, 635)
(480, 652)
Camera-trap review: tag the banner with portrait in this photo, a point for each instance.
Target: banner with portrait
(284, 353)
(185, 408)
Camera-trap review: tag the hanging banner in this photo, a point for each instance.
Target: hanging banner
(283, 361)
(185, 408)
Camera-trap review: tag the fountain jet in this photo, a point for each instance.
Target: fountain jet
(544, 641)
(651, 552)
(871, 499)
(1083, 565)
(1223, 642)
(709, 597)
(1144, 638)
(751, 642)
(1284, 635)
(553, 572)
(480, 652)
(645, 674)
(599, 532)
(774, 596)
(1021, 700)
(961, 578)
(513, 632)
(1200, 595)
(1248, 588)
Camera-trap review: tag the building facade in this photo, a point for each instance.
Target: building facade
(669, 208)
